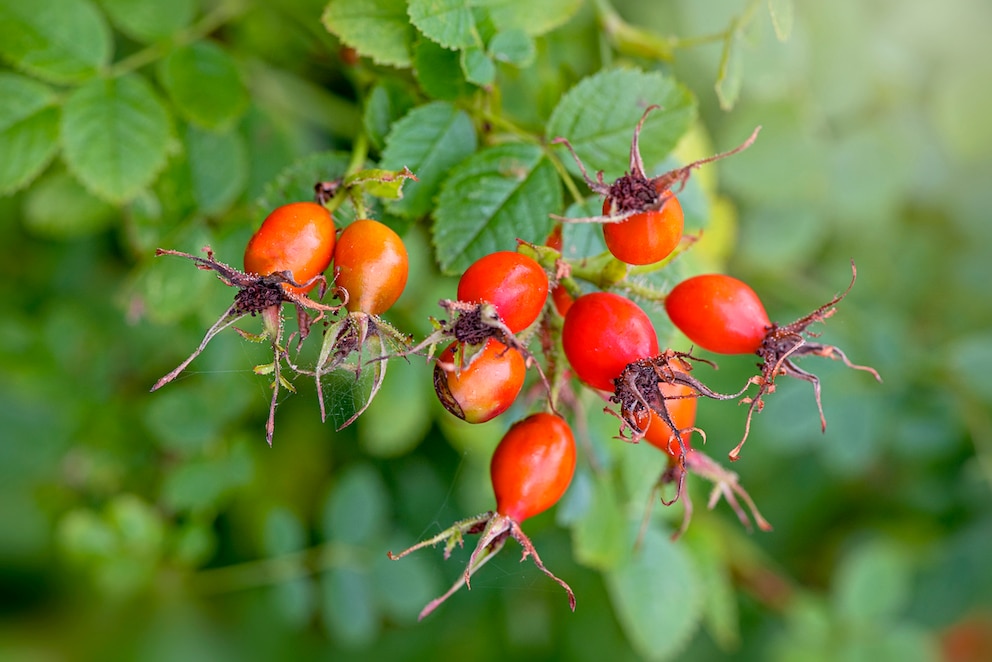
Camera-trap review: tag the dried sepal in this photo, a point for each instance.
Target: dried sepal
(257, 296)
(637, 391)
(635, 192)
(785, 343)
(494, 529)
(726, 484)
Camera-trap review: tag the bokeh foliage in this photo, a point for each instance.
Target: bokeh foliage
(160, 526)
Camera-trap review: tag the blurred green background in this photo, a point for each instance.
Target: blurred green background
(161, 527)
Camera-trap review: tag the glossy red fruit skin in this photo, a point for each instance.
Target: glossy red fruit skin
(532, 466)
(372, 265)
(602, 333)
(647, 237)
(515, 284)
(299, 238)
(718, 313)
(682, 411)
(486, 388)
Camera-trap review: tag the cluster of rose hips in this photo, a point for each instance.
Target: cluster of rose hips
(502, 304)
(284, 261)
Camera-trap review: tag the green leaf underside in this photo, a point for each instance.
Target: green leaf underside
(598, 116)
(115, 135)
(783, 16)
(59, 40)
(429, 140)
(377, 29)
(493, 198)
(204, 83)
(656, 597)
(149, 20)
(729, 77)
(28, 130)
(449, 23)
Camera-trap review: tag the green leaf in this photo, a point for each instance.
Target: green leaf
(298, 105)
(598, 535)
(357, 508)
(85, 536)
(380, 183)
(729, 77)
(205, 84)
(58, 207)
(350, 614)
(64, 41)
(295, 600)
(377, 29)
(115, 135)
(193, 543)
(202, 485)
(388, 101)
(534, 18)
(969, 360)
(402, 589)
(430, 140)
(149, 20)
(640, 466)
(400, 416)
(439, 71)
(151, 216)
(873, 584)
(139, 526)
(185, 421)
(720, 612)
(478, 68)
(598, 117)
(29, 126)
(493, 198)
(168, 288)
(449, 23)
(296, 182)
(783, 16)
(514, 47)
(656, 597)
(218, 164)
(284, 532)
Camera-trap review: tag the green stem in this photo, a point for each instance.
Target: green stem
(566, 177)
(276, 570)
(359, 155)
(501, 122)
(526, 136)
(628, 38)
(206, 25)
